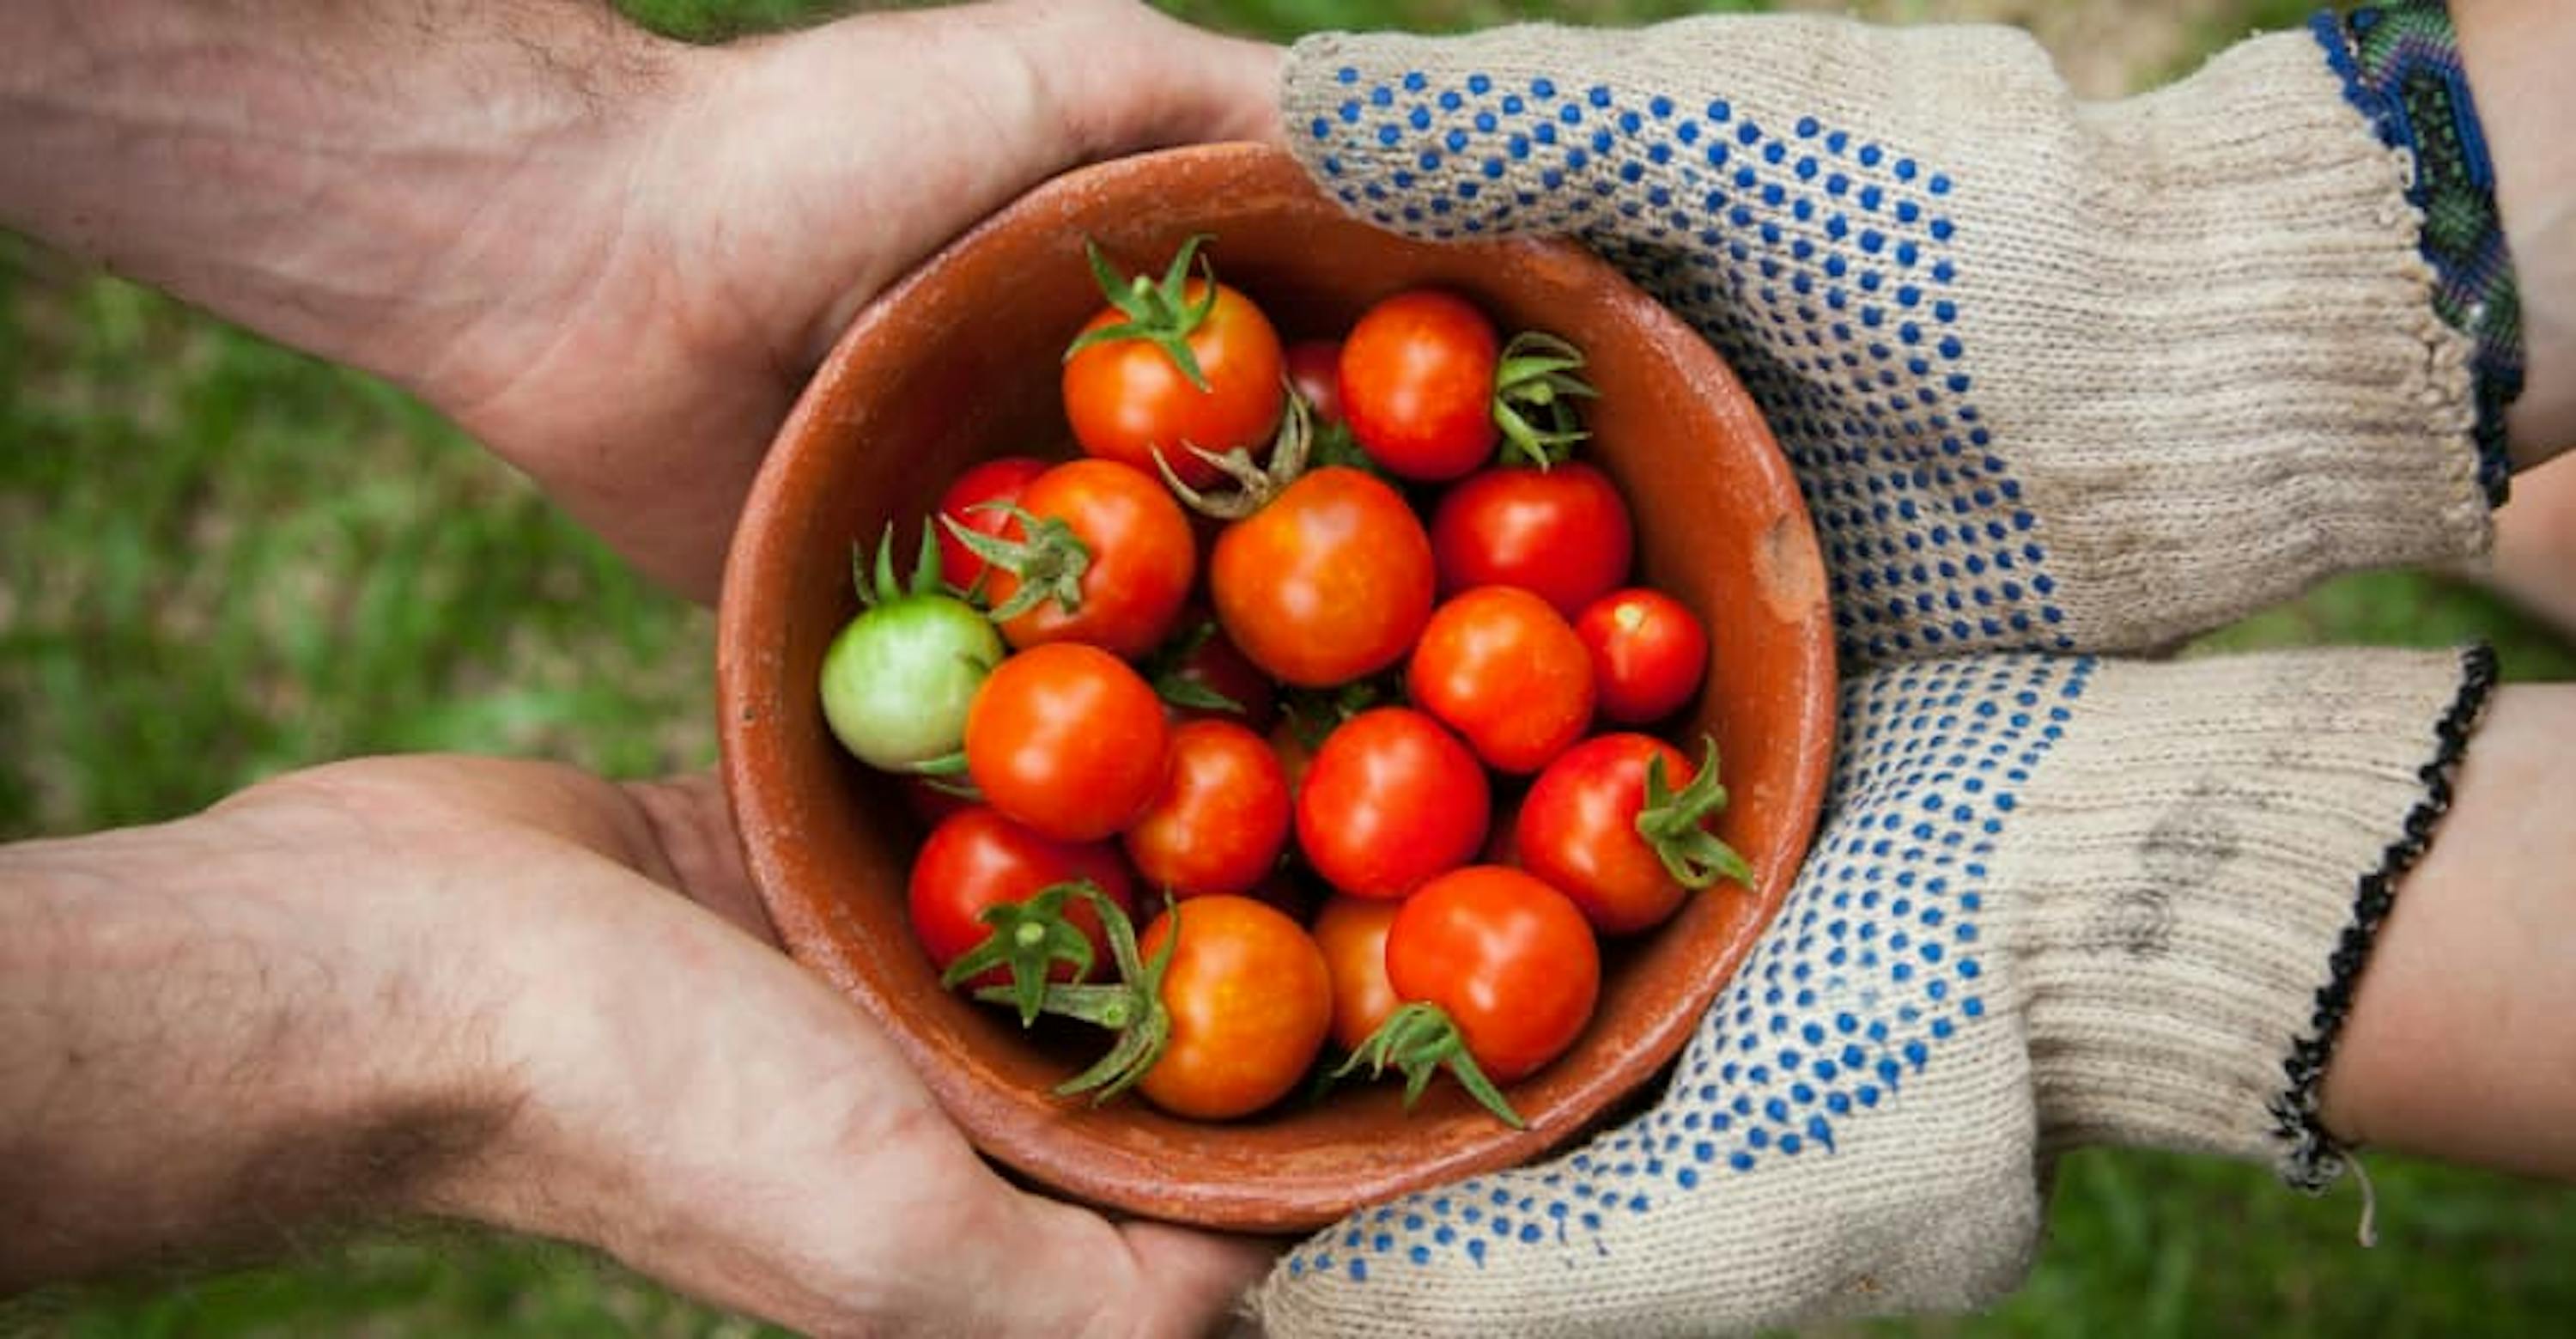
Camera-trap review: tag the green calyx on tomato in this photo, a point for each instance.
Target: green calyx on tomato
(1132, 1006)
(1535, 387)
(1419, 1039)
(897, 682)
(1028, 939)
(1255, 484)
(1333, 444)
(1049, 559)
(1315, 713)
(1675, 824)
(1166, 670)
(1158, 312)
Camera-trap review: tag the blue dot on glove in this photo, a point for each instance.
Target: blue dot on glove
(1848, 220)
(1926, 740)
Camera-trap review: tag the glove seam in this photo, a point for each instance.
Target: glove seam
(2315, 1156)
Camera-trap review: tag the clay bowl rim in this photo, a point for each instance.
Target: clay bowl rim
(755, 700)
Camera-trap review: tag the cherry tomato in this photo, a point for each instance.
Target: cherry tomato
(898, 679)
(1577, 829)
(1330, 581)
(1250, 1001)
(976, 858)
(1648, 652)
(1222, 816)
(1417, 383)
(1390, 800)
(1352, 933)
(1315, 371)
(1508, 958)
(1561, 532)
(1068, 740)
(1139, 556)
(1128, 401)
(1000, 479)
(1501, 668)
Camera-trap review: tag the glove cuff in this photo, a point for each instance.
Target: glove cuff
(2214, 858)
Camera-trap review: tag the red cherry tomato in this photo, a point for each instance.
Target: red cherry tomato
(1417, 383)
(1141, 558)
(1068, 740)
(1314, 372)
(1508, 958)
(1501, 668)
(976, 859)
(1222, 817)
(1648, 652)
(1250, 1001)
(1330, 581)
(1561, 532)
(1577, 829)
(1000, 479)
(1352, 933)
(1390, 800)
(1128, 401)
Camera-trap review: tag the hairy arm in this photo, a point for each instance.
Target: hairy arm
(613, 259)
(366, 180)
(194, 1059)
(521, 995)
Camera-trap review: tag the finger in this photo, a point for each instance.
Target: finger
(691, 831)
(1012, 111)
(1062, 1269)
(1146, 80)
(1198, 1278)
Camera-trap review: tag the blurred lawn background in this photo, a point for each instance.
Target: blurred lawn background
(219, 559)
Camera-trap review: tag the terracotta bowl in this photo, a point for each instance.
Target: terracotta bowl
(957, 363)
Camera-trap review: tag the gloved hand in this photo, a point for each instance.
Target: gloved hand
(2059, 901)
(2055, 378)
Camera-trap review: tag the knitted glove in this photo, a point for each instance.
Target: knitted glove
(2054, 376)
(2057, 901)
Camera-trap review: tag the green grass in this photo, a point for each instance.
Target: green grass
(219, 559)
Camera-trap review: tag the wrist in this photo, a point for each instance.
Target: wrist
(215, 1033)
(2516, 54)
(2208, 873)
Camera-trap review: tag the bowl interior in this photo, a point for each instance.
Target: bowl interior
(958, 363)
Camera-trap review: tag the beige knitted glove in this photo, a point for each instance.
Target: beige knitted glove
(2054, 376)
(2057, 901)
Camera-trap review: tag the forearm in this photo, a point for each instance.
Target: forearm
(2517, 54)
(189, 1065)
(365, 179)
(2460, 1044)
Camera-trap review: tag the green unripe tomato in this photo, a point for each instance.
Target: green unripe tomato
(897, 681)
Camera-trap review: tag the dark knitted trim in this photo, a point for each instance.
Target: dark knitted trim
(2314, 1156)
(2400, 64)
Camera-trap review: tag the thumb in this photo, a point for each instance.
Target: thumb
(1145, 80)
